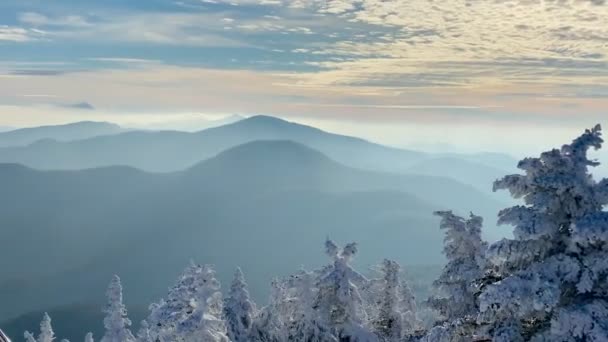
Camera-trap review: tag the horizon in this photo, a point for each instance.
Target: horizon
(377, 134)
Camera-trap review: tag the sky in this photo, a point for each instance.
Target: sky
(416, 72)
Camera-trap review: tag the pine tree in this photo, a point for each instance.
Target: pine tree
(205, 323)
(269, 323)
(412, 325)
(458, 285)
(29, 337)
(144, 334)
(553, 272)
(338, 300)
(394, 307)
(116, 322)
(239, 309)
(46, 331)
(166, 315)
(388, 325)
(305, 324)
(465, 252)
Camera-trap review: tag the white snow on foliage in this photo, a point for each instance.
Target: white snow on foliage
(553, 273)
(116, 322)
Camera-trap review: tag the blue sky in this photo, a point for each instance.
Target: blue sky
(417, 62)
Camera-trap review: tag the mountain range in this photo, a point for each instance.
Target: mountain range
(70, 230)
(67, 132)
(166, 151)
(141, 204)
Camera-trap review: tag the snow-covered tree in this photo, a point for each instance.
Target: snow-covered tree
(88, 337)
(239, 309)
(553, 272)
(46, 331)
(166, 315)
(408, 307)
(394, 307)
(144, 334)
(192, 310)
(464, 250)
(456, 289)
(305, 324)
(205, 323)
(338, 300)
(116, 322)
(269, 323)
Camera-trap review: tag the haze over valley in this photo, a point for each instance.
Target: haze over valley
(262, 185)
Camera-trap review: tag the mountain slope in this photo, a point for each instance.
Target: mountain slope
(67, 132)
(171, 150)
(71, 230)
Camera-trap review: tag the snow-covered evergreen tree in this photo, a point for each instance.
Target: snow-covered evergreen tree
(338, 300)
(144, 334)
(116, 322)
(412, 324)
(88, 337)
(29, 337)
(305, 324)
(458, 285)
(388, 324)
(269, 323)
(166, 315)
(46, 331)
(464, 250)
(394, 315)
(205, 323)
(239, 309)
(553, 272)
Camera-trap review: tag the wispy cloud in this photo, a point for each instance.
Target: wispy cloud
(19, 34)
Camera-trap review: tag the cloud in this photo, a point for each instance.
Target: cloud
(37, 72)
(79, 105)
(19, 34)
(328, 57)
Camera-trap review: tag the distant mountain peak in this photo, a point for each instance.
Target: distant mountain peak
(265, 119)
(267, 153)
(61, 132)
(84, 123)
